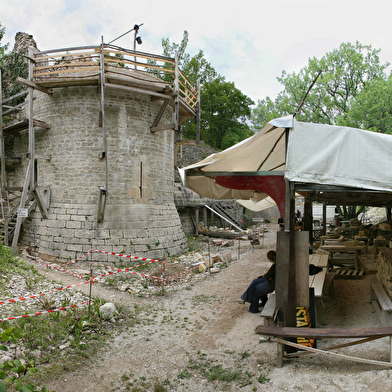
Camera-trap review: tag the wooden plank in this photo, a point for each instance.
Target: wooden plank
(135, 89)
(327, 333)
(302, 268)
(282, 268)
(379, 293)
(79, 64)
(144, 65)
(37, 75)
(62, 55)
(143, 55)
(318, 283)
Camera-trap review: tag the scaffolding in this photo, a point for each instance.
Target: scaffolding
(107, 67)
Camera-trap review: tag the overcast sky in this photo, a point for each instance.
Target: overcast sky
(250, 42)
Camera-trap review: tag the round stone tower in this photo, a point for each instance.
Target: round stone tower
(107, 187)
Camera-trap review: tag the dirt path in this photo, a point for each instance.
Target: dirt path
(199, 325)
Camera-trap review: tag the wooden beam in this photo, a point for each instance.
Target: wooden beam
(186, 142)
(324, 333)
(165, 127)
(41, 203)
(29, 83)
(160, 113)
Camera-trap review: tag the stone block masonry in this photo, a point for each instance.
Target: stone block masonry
(140, 215)
(57, 236)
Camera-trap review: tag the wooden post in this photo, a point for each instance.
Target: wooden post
(198, 109)
(307, 216)
(205, 219)
(19, 219)
(2, 149)
(177, 94)
(196, 221)
(102, 107)
(324, 218)
(31, 122)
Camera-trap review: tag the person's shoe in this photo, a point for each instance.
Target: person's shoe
(240, 301)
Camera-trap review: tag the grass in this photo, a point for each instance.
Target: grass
(216, 372)
(83, 333)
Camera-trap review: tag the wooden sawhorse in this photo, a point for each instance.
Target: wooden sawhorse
(363, 334)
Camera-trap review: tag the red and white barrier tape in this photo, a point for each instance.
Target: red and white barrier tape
(27, 297)
(124, 270)
(46, 311)
(127, 256)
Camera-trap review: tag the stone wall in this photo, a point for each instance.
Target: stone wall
(384, 269)
(140, 215)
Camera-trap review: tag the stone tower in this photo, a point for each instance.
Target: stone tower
(76, 161)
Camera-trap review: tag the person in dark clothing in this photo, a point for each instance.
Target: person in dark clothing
(281, 224)
(256, 293)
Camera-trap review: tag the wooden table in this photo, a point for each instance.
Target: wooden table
(344, 249)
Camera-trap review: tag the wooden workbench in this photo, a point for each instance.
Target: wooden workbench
(355, 249)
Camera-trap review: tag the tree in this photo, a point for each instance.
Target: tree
(344, 74)
(224, 115)
(3, 48)
(372, 109)
(224, 109)
(196, 67)
(265, 111)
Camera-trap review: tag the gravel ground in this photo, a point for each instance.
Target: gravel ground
(196, 333)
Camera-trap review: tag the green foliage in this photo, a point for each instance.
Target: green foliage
(372, 109)
(265, 111)
(12, 372)
(196, 67)
(13, 65)
(344, 74)
(3, 48)
(225, 111)
(263, 379)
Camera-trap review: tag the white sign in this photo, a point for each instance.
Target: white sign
(256, 219)
(23, 213)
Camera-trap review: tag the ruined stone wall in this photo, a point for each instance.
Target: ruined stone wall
(140, 215)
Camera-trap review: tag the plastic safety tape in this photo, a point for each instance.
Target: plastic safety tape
(46, 311)
(27, 297)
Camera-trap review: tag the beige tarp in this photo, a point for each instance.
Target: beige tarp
(262, 152)
(316, 154)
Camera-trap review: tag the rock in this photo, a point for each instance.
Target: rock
(107, 311)
(64, 346)
(5, 358)
(124, 287)
(215, 270)
(225, 258)
(202, 268)
(35, 353)
(384, 227)
(228, 243)
(81, 271)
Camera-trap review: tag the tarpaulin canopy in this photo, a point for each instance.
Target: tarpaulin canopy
(316, 154)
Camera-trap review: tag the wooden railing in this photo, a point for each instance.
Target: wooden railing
(82, 62)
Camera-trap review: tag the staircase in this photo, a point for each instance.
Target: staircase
(231, 213)
(10, 215)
